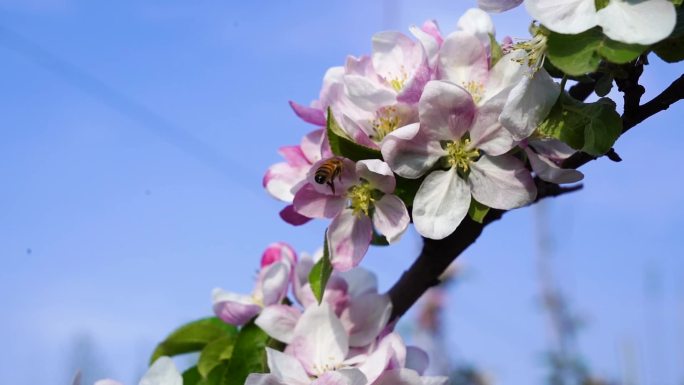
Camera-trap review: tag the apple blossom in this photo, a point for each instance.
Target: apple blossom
(468, 146)
(498, 5)
(545, 156)
(363, 199)
(271, 287)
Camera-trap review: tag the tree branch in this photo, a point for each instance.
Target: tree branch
(437, 255)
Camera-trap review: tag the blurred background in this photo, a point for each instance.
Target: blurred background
(134, 138)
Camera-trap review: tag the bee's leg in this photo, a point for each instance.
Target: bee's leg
(332, 186)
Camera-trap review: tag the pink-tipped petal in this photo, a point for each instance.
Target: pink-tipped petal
(236, 313)
(278, 251)
(294, 156)
(413, 89)
(548, 171)
(446, 110)
(409, 152)
(313, 145)
(308, 114)
(274, 281)
(441, 203)
(311, 203)
(282, 179)
(501, 182)
(291, 216)
(463, 59)
(430, 44)
(349, 236)
(378, 173)
(391, 217)
(487, 133)
(365, 317)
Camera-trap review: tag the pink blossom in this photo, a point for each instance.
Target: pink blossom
(363, 199)
(162, 372)
(546, 155)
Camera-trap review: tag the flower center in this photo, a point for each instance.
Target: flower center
(361, 197)
(535, 48)
(460, 155)
(397, 82)
(476, 90)
(386, 120)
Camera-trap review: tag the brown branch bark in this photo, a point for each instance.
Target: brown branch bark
(437, 255)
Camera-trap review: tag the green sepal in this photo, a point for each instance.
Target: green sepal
(582, 53)
(193, 337)
(321, 271)
(342, 145)
(496, 51)
(214, 353)
(477, 211)
(589, 127)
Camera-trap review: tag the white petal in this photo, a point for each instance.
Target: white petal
(505, 74)
(349, 236)
(278, 321)
(429, 43)
(638, 22)
(286, 367)
(548, 171)
(395, 55)
(367, 94)
(498, 5)
(501, 182)
(220, 295)
(365, 317)
(341, 377)
(564, 16)
(529, 103)
(477, 22)
(378, 173)
(162, 372)
(275, 279)
(391, 217)
(441, 204)
(105, 382)
(391, 349)
(463, 58)
(409, 152)
(263, 379)
(552, 149)
(399, 377)
(487, 133)
(320, 339)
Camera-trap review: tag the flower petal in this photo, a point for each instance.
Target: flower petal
(564, 16)
(501, 182)
(313, 144)
(487, 133)
(477, 22)
(463, 59)
(399, 377)
(417, 359)
(445, 110)
(429, 42)
(289, 215)
(360, 281)
(505, 74)
(365, 318)
(286, 367)
(441, 203)
(391, 217)
(106, 381)
(341, 377)
(435, 380)
(367, 94)
(162, 372)
(308, 114)
(409, 152)
(311, 203)
(390, 352)
(529, 103)
(638, 22)
(278, 321)
(548, 171)
(349, 236)
(274, 281)
(278, 251)
(282, 179)
(378, 173)
(264, 379)
(234, 309)
(552, 149)
(320, 340)
(395, 55)
(496, 6)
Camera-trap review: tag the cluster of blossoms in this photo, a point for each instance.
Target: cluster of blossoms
(449, 111)
(344, 340)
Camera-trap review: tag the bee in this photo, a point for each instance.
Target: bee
(328, 171)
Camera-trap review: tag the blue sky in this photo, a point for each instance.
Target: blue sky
(134, 139)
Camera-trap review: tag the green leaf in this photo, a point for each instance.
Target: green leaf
(670, 50)
(589, 127)
(342, 145)
(193, 337)
(582, 53)
(249, 355)
(477, 211)
(214, 353)
(191, 376)
(321, 271)
(604, 85)
(496, 51)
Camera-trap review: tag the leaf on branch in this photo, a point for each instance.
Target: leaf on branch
(342, 145)
(582, 53)
(321, 271)
(215, 353)
(192, 376)
(589, 127)
(249, 355)
(477, 211)
(193, 337)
